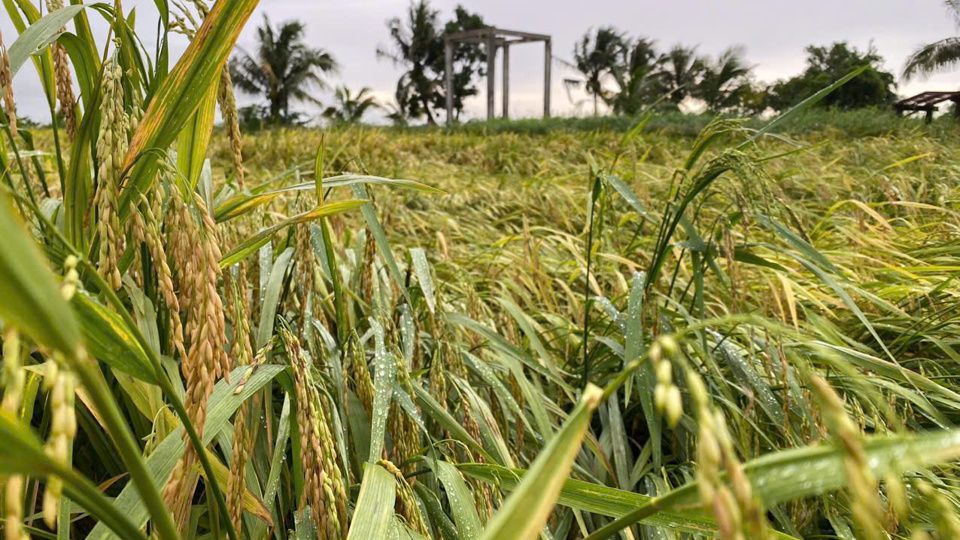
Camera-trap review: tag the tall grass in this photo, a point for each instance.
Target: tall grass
(576, 334)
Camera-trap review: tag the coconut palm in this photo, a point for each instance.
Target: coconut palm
(636, 75)
(682, 68)
(283, 69)
(724, 81)
(937, 56)
(416, 46)
(595, 57)
(350, 108)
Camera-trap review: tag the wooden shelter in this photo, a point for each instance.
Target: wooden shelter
(927, 102)
(495, 39)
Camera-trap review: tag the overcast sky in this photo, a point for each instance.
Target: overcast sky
(774, 33)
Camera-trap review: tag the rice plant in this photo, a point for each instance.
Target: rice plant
(212, 334)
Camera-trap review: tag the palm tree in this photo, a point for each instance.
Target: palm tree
(595, 57)
(939, 55)
(724, 82)
(417, 46)
(636, 75)
(349, 108)
(283, 69)
(682, 68)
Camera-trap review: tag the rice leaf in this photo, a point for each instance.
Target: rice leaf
(373, 517)
(524, 513)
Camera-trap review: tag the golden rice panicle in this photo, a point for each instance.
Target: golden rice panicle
(111, 151)
(238, 466)
(63, 429)
(306, 266)
(13, 373)
(310, 453)
(6, 88)
(13, 509)
(231, 122)
(406, 505)
(195, 248)
(242, 355)
(715, 450)
(13, 377)
(61, 65)
(214, 310)
(323, 482)
(864, 490)
(360, 372)
(404, 431)
(943, 510)
(666, 395)
(146, 229)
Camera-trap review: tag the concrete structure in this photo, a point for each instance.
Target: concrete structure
(495, 39)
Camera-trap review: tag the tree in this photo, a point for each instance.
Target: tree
(284, 68)
(349, 108)
(825, 65)
(682, 69)
(724, 82)
(469, 61)
(940, 55)
(637, 76)
(596, 57)
(417, 45)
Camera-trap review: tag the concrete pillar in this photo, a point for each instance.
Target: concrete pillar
(448, 77)
(547, 61)
(491, 74)
(506, 81)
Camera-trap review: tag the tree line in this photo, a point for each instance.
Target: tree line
(619, 73)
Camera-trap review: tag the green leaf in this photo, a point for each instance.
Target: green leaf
(182, 92)
(461, 499)
(384, 376)
(422, 268)
(109, 340)
(598, 499)
(524, 513)
(253, 243)
(195, 136)
(271, 297)
(40, 34)
(370, 216)
(814, 470)
(222, 404)
(798, 243)
(241, 204)
(628, 195)
(435, 410)
(799, 107)
(373, 516)
(22, 453)
(29, 296)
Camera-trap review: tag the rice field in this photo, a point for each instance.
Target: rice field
(744, 331)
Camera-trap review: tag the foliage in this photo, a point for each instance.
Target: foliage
(637, 77)
(942, 55)
(418, 46)
(725, 83)
(873, 88)
(350, 108)
(596, 57)
(630, 75)
(283, 69)
(682, 71)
